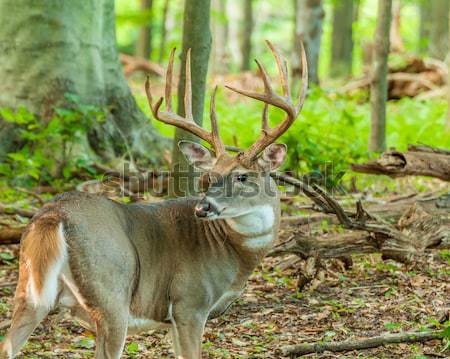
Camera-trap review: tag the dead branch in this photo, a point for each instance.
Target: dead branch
(5, 324)
(132, 64)
(20, 211)
(10, 235)
(414, 162)
(377, 341)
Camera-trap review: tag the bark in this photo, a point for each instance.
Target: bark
(197, 37)
(162, 44)
(437, 46)
(309, 15)
(50, 48)
(247, 29)
(448, 75)
(378, 87)
(416, 161)
(358, 344)
(144, 43)
(342, 41)
(397, 44)
(220, 37)
(424, 24)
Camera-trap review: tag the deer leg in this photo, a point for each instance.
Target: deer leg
(26, 318)
(187, 332)
(111, 330)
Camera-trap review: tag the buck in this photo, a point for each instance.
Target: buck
(130, 268)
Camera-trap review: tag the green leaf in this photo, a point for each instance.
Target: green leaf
(132, 348)
(6, 256)
(392, 326)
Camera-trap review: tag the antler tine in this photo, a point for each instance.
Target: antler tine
(187, 122)
(188, 88)
(270, 135)
(169, 77)
(282, 69)
(266, 79)
(153, 107)
(265, 118)
(218, 145)
(304, 88)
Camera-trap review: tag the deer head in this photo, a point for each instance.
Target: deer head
(232, 185)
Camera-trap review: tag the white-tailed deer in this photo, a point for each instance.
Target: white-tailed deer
(128, 268)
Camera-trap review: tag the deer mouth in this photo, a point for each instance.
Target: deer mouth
(206, 210)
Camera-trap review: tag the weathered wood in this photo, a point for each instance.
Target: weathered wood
(10, 235)
(408, 337)
(20, 211)
(411, 163)
(416, 231)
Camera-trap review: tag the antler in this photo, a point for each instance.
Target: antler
(186, 123)
(270, 97)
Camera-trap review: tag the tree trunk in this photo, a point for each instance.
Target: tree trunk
(50, 48)
(144, 43)
(197, 37)
(162, 44)
(220, 37)
(247, 29)
(342, 41)
(448, 75)
(396, 40)
(378, 86)
(424, 24)
(309, 15)
(437, 45)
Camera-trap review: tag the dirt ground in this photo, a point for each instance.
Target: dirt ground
(371, 298)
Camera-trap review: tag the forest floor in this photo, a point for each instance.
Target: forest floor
(371, 298)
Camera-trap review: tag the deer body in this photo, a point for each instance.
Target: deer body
(127, 268)
(125, 261)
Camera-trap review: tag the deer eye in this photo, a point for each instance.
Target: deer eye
(242, 177)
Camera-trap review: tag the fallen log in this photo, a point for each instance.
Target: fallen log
(10, 235)
(377, 341)
(417, 161)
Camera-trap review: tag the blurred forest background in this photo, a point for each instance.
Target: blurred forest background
(74, 115)
(334, 126)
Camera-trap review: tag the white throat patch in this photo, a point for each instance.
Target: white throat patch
(256, 222)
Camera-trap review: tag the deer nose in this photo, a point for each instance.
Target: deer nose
(202, 209)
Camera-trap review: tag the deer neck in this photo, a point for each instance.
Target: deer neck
(251, 231)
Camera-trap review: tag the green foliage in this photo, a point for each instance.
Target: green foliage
(53, 147)
(332, 131)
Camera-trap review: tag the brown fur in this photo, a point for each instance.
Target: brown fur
(41, 247)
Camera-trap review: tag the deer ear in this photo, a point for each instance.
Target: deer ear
(273, 156)
(196, 154)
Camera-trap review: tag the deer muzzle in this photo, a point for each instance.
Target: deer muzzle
(202, 209)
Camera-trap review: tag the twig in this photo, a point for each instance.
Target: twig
(20, 211)
(408, 337)
(32, 194)
(5, 324)
(8, 285)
